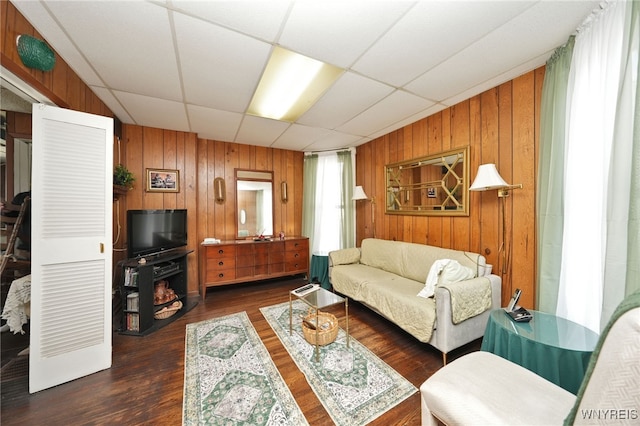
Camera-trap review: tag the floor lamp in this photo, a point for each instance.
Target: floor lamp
(488, 179)
(358, 194)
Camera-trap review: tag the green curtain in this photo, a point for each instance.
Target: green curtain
(549, 204)
(633, 243)
(620, 253)
(310, 168)
(348, 234)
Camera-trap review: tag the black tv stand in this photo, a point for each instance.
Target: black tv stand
(137, 289)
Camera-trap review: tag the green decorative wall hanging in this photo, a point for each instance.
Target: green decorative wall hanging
(35, 53)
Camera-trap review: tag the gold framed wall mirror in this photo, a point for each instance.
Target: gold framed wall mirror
(254, 203)
(435, 185)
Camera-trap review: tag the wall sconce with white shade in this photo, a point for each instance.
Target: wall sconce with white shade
(219, 189)
(488, 179)
(284, 196)
(359, 194)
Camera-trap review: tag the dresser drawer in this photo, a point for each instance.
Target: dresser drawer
(297, 265)
(218, 274)
(221, 252)
(296, 245)
(296, 256)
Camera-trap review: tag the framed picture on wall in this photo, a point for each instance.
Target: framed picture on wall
(163, 180)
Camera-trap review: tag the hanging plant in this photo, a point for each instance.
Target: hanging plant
(123, 177)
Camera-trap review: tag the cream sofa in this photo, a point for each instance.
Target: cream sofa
(387, 276)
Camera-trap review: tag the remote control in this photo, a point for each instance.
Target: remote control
(301, 289)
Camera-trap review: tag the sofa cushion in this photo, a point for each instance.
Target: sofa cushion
(469, 391)
(412, 260)
(344, 256)
(351, 278)
(383, 254)
(395, 298)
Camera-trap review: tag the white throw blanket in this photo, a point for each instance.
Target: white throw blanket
(469, 298)
(445, 271)
(17, 307)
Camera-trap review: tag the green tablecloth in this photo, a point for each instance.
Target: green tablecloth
(320, 270)
(552, 347)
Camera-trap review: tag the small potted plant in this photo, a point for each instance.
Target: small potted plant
(123, 178)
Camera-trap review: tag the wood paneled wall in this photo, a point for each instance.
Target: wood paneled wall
(199, 162)
(500, 126)
(220, 159)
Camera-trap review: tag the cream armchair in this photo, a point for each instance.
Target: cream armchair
(484, 389)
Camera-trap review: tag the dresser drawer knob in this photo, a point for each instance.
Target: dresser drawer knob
(296, 255)
(220, 263)
(220, 251)
(220, 275)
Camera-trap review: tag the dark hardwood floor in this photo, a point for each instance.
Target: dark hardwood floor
(145, 383)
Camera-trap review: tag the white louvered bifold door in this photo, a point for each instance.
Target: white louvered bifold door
(71, 246)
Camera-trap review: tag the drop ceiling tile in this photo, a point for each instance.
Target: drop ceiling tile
(338, 32)
(48, 28)
(297, 137)
(390, 110)
(409, 120)
(113, 104)
(260, 19)
(499, 79)
(213, 124)
(260, 131)
(334, 140)
(220, 68)
(527, 36)
(154, 112)
(430, 33)
(350, 95)
(129, 54)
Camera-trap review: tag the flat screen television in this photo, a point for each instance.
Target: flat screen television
(152, 232)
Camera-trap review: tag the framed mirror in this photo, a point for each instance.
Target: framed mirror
(435, 185)
(254, 203)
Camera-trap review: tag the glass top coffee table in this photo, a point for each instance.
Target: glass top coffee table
(320, 299)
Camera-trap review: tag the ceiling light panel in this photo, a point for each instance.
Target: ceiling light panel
(290, 85)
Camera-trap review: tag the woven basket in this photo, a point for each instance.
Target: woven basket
(168, 311)
(327, 332)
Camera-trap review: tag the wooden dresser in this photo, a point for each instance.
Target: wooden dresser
(234, 262)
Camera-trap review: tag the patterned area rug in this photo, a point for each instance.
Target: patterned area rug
(353, 384)
(230, 378)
